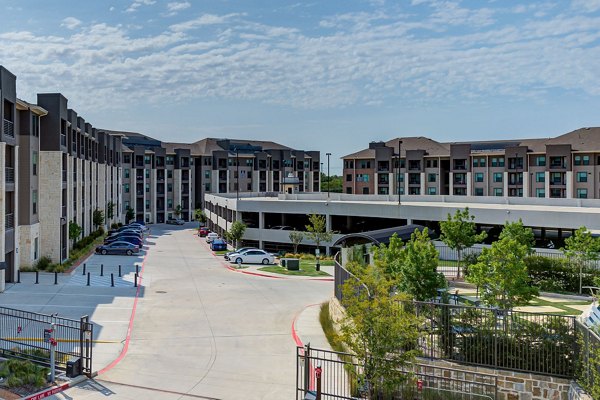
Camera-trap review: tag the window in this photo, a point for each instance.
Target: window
(540, 177)
(362, 178)
(169, 187)
(479, 177)
(476, 162)
(34, 162)
(35, 248)
(169, 173)
(556, 178)
(497, 191)
(348, 190)
(383, 190)
(582, 193)
(479, 162)
(147, 188)
(540, 192)
(147, 159)
(126, 187)
(415, 191)
(348, 177)
(497, 177)
(349, 164)
(365, 190)
(432, 191)
(169, 203)
(365, 164)
(34, 200)
(170, 160)
(581, 160)
(206, 174)
(126, 204)
(478, 191)
(147, 205)
(207, 187)
(556, 193)
(540, 161)
(482, 162)
(556, 162)
(582, 177)
(126, 158)
(147, 173)
(126, 174)
(35, 126)
(431, 178)
(498, 162)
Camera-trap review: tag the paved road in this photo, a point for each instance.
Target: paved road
(203, 331)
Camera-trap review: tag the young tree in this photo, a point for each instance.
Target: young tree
(178, 210)
(388, 258)
(502, 274)
(418, 276)
(379, 331)
(200, 216)
(516, 230)
(459, 232)
(296, 238)
(110, 211)
(581, 249)
(236, 232)
(129, 215)
(97, 218)
(74, 232)
(317, 230)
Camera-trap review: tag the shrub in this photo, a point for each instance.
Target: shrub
(114, 225)
(43, 264)
(558, 275)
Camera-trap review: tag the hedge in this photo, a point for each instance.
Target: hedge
(558, 274)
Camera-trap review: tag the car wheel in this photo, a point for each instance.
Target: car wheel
(265, 261)
(104, 252)
(129, 252)
(238, 260)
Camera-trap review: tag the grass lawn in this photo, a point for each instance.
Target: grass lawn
(221, 252)
(307, 268)
(561, 305)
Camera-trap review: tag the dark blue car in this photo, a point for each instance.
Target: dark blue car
(125, 238)
(218, 244)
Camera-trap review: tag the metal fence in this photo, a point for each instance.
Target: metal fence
(22, 336)
(341, 378)
(588, 368)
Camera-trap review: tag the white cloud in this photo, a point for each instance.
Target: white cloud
(586, 5)
(203, 20)
(178, 5)
(112, 8)
(138, 3)
(70, 23)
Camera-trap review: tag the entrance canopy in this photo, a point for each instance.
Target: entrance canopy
(378, 236)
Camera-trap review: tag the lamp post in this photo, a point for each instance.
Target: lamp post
(60, 251)
(399, 170)
(321, 172)
(328, 178)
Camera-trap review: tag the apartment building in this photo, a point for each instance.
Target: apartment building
(567, 166)
(167, 180)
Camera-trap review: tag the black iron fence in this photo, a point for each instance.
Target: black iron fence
(588, 367)
(22, 336)
(341, 378)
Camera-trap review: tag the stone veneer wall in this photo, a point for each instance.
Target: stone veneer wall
(50, 203)
(511, 385)
(27, 234)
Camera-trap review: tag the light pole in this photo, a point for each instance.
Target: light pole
(399, 170)
(328, 178)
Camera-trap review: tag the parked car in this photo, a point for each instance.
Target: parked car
(218, 245)
(118, 247)
(124, 238)
(137, 225)
(126, 232)
(252, 256)
(240, 250)
(202, 232)
(211, 236)
(282, 227)
(175, 221)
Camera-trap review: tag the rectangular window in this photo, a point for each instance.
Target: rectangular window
(34, 200)
(482, 162)
(540, 192)
(582, 177)
(169, 203)
(585, 160)
(582, 193)
(34, 162)
(498, 177)
(169, 173)
(126, 204)
(147, 159)
(478, 191)
(432, 191)
(126, 187)
(498, 192)
(348, 177)
(147, 173)
(126, 158)
(169, 187)
(494, 162)
(206, 174)
(501, 161)
(540, 161)
(147, 188)
(540, 177)
(36, 246)
(431, 178)
(170, 160)
(365, 190)
(35, 126)
(479, 177)
(476, 162)
(126, 173)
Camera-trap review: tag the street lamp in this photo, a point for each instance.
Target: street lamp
(60, 251)
(399, 170)
(328, 178)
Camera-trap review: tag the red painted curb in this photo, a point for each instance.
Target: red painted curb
(48, 392)
(299, 343)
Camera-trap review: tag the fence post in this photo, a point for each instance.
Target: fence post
(135, 277)
(306, 368)
(19, 276)
(101, 269)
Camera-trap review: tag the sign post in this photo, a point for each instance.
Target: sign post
(49, 338)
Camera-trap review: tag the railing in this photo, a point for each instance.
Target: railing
(9, 174)
(9, 128)
(22, 336)
(64, 211)
(9, 221)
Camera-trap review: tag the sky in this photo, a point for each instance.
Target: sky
(318, 75)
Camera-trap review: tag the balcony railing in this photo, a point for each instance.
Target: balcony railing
(9, 128)
(9, 222)
(9, 175)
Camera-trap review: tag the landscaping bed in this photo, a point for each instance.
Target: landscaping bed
(19, 378)
(307, 268)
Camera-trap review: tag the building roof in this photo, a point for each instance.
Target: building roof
(379, 236)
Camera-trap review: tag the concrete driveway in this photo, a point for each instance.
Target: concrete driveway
(203, 331)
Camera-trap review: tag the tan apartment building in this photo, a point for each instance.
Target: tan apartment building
(567, 166)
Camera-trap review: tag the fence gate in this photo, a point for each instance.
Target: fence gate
(22, 336)
(340, 370)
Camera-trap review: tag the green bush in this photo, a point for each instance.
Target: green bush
(114, 225)
(20, 373)
(43, 264)
(558, 275)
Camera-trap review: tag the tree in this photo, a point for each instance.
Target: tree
(459, 232)
(97, 218)
(379, 331)
(74, 231)
(200, 216)
(296, 238)
(317, 230)
(502, 274)
(417, 275)
(581, 249)
(335, 183)
(110, 211)
(178, 210)
(236, 232)
(516, 230)
(129, 215)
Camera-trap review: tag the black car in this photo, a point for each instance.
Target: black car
(118, 247)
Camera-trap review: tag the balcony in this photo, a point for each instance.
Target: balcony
(64, 175)
(558, 182)
(9, 128)
(9, 222)
(63, 140)
(64, 211)
(9, 175)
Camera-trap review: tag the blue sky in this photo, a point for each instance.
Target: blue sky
(320, 75)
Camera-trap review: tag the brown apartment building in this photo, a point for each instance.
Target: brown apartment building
(567, 166)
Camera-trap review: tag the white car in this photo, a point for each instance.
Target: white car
(252, 256)
(211, 236)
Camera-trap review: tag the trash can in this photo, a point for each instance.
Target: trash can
(73, 367)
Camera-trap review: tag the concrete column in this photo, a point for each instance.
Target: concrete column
(569, 184)
(376, 183)
(405, 183)
(423, 183)
(451, 183)
(505, 184)
(16, 255)
(526, 184)
(153, 193)
(255, 180)
(327, 228)
(261, 226)
(469, 183)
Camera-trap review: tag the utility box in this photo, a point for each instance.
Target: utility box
(291, 264)
(73, 367)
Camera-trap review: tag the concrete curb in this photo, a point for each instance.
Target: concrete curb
(56, 389)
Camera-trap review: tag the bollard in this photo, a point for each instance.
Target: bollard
(19, 276)
(83, 269)
(112, 280)
(137, 268)
(135, 280)
(55, 278)
(101, 269)
(119, 270)
(37, 277)
(88, 279)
